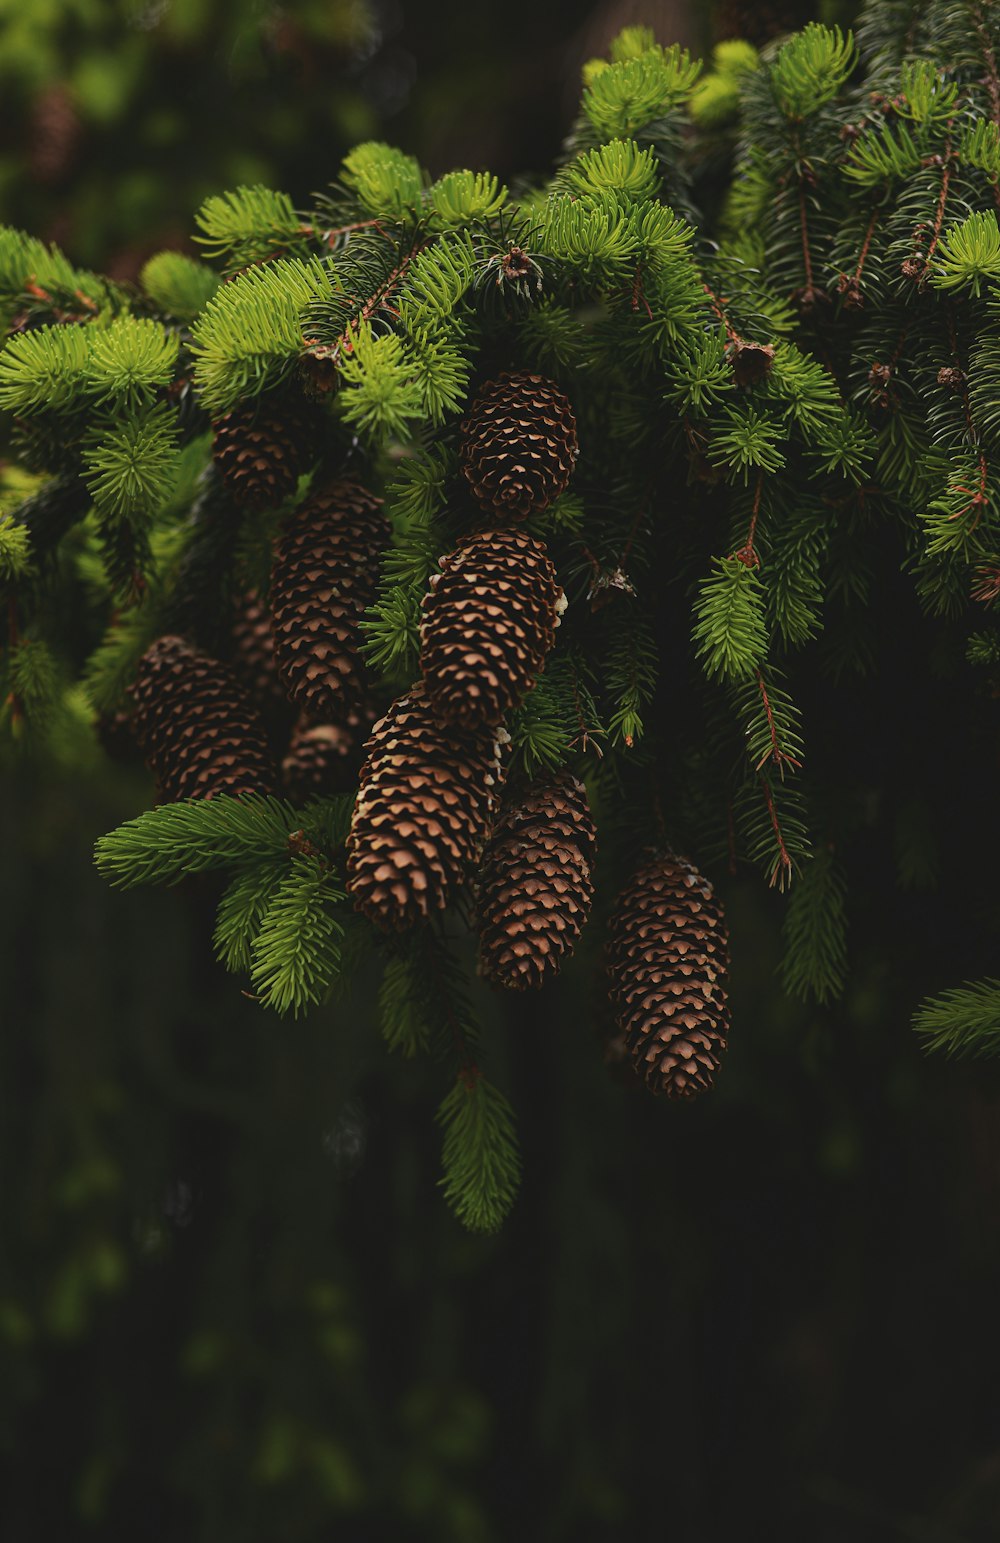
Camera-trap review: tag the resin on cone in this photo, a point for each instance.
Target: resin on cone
(425, 800)
(197, 727)
(325, 573)
(667, 961)
(489, 620)
(535, 886)
(519, 445)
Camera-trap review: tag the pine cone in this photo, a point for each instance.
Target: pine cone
(252, 660)
(519, 445)
(322, 757)
(324, 577)
(262, 447)
(197, 726)
(425, 799)
(535, 886)
(667, 962)
(489, 619)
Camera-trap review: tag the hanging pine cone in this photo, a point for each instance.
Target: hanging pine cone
(322, 757)
(535, 886)
(116, 736)
(324, 577)
(263, 446)
(425, 799)
(667, 962)
(489, 619)
(519, 445)
(252, 662)
(197, 726)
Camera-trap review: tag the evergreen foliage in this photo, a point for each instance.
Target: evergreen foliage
(775, 408)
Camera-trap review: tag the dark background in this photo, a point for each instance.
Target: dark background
(232, 1303)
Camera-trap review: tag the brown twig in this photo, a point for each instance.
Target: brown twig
(747, 553)
(783, 865)
(780, 757)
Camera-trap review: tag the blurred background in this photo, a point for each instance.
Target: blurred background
(233, 1306)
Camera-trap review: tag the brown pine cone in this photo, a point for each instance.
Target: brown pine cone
(519, 445)
(489, 619)
(667, 960)
(322, 758)
(263, 446)
(425, 799)
(252, 662)
(535, 886)
(196, 725)
(324, 577)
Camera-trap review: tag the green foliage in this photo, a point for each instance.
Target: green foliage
(44, 369)
(482, 1166)
(436, 282)
(617, 167)
(811, 69)
(33, 679)
(250, 332)
(249, 225)
(402, 1009)
(462, 197)
(382, 394)
(815, 933)
(748, 443)
(178, 285)
(129, 360)
(241, 912)
(635, 90)
(963, 1021)
(15, 551)
(969, 254)
(130, 465)
(387, 183)
(557, 717)
(715, 100)
(888, 154)
(163, 844)
(632, 672)
(296, 950)
(771, 724)
(730, 629)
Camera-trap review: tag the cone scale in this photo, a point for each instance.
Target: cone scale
(667, 961)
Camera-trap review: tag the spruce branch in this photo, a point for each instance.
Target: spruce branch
(296, 949)
(163, 844)
(730, 630)
(815, 931)
(480, 1153)
(964, 1021)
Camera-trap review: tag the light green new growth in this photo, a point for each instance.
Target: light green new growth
(248, 225)
(387, 183)
(730, 629)
(250, 333)
(179, 285)
(130, 464)
(811, 69)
